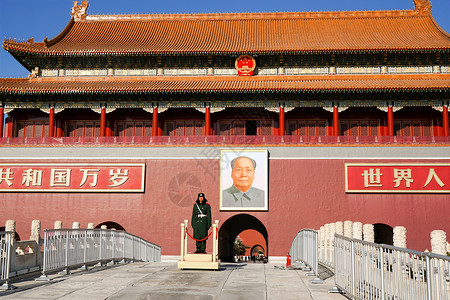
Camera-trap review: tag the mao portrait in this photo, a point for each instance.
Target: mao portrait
(243, 180)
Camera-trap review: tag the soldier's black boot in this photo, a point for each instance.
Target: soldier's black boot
(199, 247)
(203, 247)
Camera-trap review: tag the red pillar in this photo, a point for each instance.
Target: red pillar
(51, 122)
(207, 121)
(2, 116)
(59, 131)
(281, 121)
(390, 119)
(9, 127)
(335, 121)
(445, 119)
(155, 121)
(109, 131)
(103, 121)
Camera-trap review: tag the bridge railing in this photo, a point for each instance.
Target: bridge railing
(365, 270)
(66, 248)
(5, 258)
(304, 248)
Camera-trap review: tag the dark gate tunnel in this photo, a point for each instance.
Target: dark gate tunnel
(111, 225)
(257, 249)
(384, 234)
(230, 230)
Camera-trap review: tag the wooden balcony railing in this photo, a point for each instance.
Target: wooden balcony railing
(223, 140)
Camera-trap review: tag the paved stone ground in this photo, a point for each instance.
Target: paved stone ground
(166, 281)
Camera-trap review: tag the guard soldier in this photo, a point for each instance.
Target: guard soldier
(201, 221)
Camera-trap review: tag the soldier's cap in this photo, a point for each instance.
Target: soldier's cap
(201, 195)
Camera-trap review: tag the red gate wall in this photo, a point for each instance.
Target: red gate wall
(303, 193)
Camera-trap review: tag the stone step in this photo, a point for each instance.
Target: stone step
(198, 257)
(202, 265)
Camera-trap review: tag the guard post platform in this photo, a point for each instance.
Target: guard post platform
(198, 260)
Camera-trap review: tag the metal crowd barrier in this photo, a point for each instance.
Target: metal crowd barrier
(366, 270)
(65, 248)
(304, 248)
(5, 258)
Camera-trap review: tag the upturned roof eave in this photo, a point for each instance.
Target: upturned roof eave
(229, 91)
(227, 84)
(12, 47)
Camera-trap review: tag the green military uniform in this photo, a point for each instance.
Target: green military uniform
(201, 222)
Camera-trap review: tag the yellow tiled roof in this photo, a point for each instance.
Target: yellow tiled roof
(252, 33)
(220, 84)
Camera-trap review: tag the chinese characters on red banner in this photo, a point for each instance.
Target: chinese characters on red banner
(397, 178)
(18, 177)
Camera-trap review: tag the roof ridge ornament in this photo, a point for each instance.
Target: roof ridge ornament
(423, 7)
(79, 11)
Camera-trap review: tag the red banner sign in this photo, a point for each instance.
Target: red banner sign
(397, 178)
(72, 177)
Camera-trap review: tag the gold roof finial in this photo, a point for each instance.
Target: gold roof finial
(423, 7)
(79, 11)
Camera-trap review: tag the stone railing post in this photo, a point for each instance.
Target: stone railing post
(103, 227)
(90, 226)
(400, 237)
(11, 226)
(326, 234)
(321, 242)
(58, 224)
(76, 225)
(439, 242)
(369, 233)
(357, 230)
(36, 231)
(332, 232)
(340, 228)
(348, 229)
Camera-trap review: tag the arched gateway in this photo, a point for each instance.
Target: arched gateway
(232, 227)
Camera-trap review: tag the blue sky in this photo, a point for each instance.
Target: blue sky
(23, 19)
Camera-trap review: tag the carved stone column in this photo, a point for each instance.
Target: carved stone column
(58, 224)
(326, 233)
(439, 242)
(340, 228)
(11, 226)
(357, 230)
(369, 233)
(348, 229)
(399, 236)
(35, 230)
(320, 243)
(332, 232)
